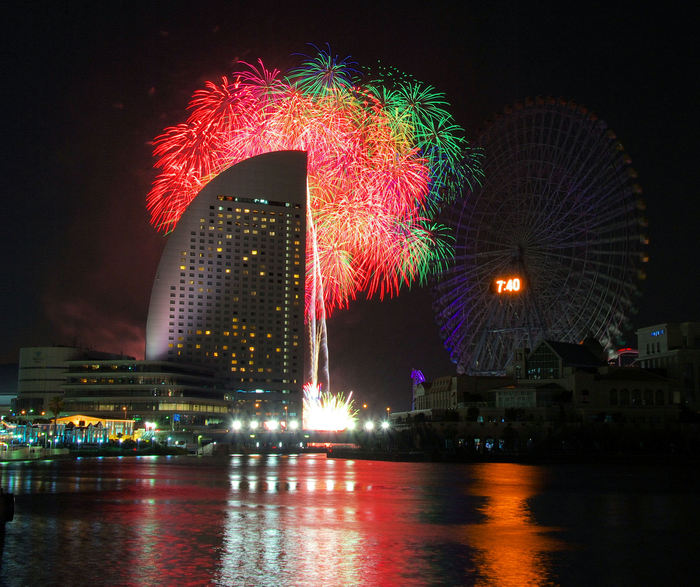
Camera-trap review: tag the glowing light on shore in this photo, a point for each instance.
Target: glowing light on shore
(326, 411)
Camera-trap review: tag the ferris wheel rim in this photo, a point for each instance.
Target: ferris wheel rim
(590, 240)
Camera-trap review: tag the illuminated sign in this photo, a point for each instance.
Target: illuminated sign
(508, 285)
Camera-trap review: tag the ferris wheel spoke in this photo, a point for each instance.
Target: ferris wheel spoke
(578, 199)
(499, 252)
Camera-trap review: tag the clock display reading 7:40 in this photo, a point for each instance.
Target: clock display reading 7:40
(507, 285)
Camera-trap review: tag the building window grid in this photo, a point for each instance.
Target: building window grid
(283, 265)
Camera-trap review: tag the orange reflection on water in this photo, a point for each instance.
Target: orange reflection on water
(512, 548)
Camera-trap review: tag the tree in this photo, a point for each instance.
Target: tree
(55, 407)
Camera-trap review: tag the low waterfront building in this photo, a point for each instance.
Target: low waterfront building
(68, 430)
(113, 387)
(624, 357)
(576, 379)
(172, 395)
(81, 429)
(556, 381)
(673, 349)
(453, 392)
(42, 373)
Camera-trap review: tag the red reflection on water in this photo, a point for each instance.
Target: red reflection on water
(513, 549)
(336, 523)
(253, 521)
(275, 521)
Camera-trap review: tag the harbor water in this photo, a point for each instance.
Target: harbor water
(309, 520)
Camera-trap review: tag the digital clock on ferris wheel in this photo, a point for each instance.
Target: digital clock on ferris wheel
(508, 285)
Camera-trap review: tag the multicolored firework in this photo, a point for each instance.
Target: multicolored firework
(383, 156)
(326, 411)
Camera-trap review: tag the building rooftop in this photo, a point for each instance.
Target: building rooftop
(575, 355)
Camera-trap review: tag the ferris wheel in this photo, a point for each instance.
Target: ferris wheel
(552, 244)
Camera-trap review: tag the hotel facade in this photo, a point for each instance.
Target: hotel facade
(229, 290)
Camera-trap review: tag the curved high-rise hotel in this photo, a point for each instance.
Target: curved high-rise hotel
(229, 291)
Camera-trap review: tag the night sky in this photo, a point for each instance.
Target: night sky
(88, 85)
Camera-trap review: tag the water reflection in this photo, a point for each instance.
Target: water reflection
(512, 548)
(278, 540)
(308, 520)
(277, 521)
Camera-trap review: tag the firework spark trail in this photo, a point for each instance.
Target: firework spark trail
(318, 335)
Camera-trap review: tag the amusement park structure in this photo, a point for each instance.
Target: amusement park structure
(550, 246)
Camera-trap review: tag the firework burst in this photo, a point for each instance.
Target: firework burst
(384, 155)
(326, 411)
